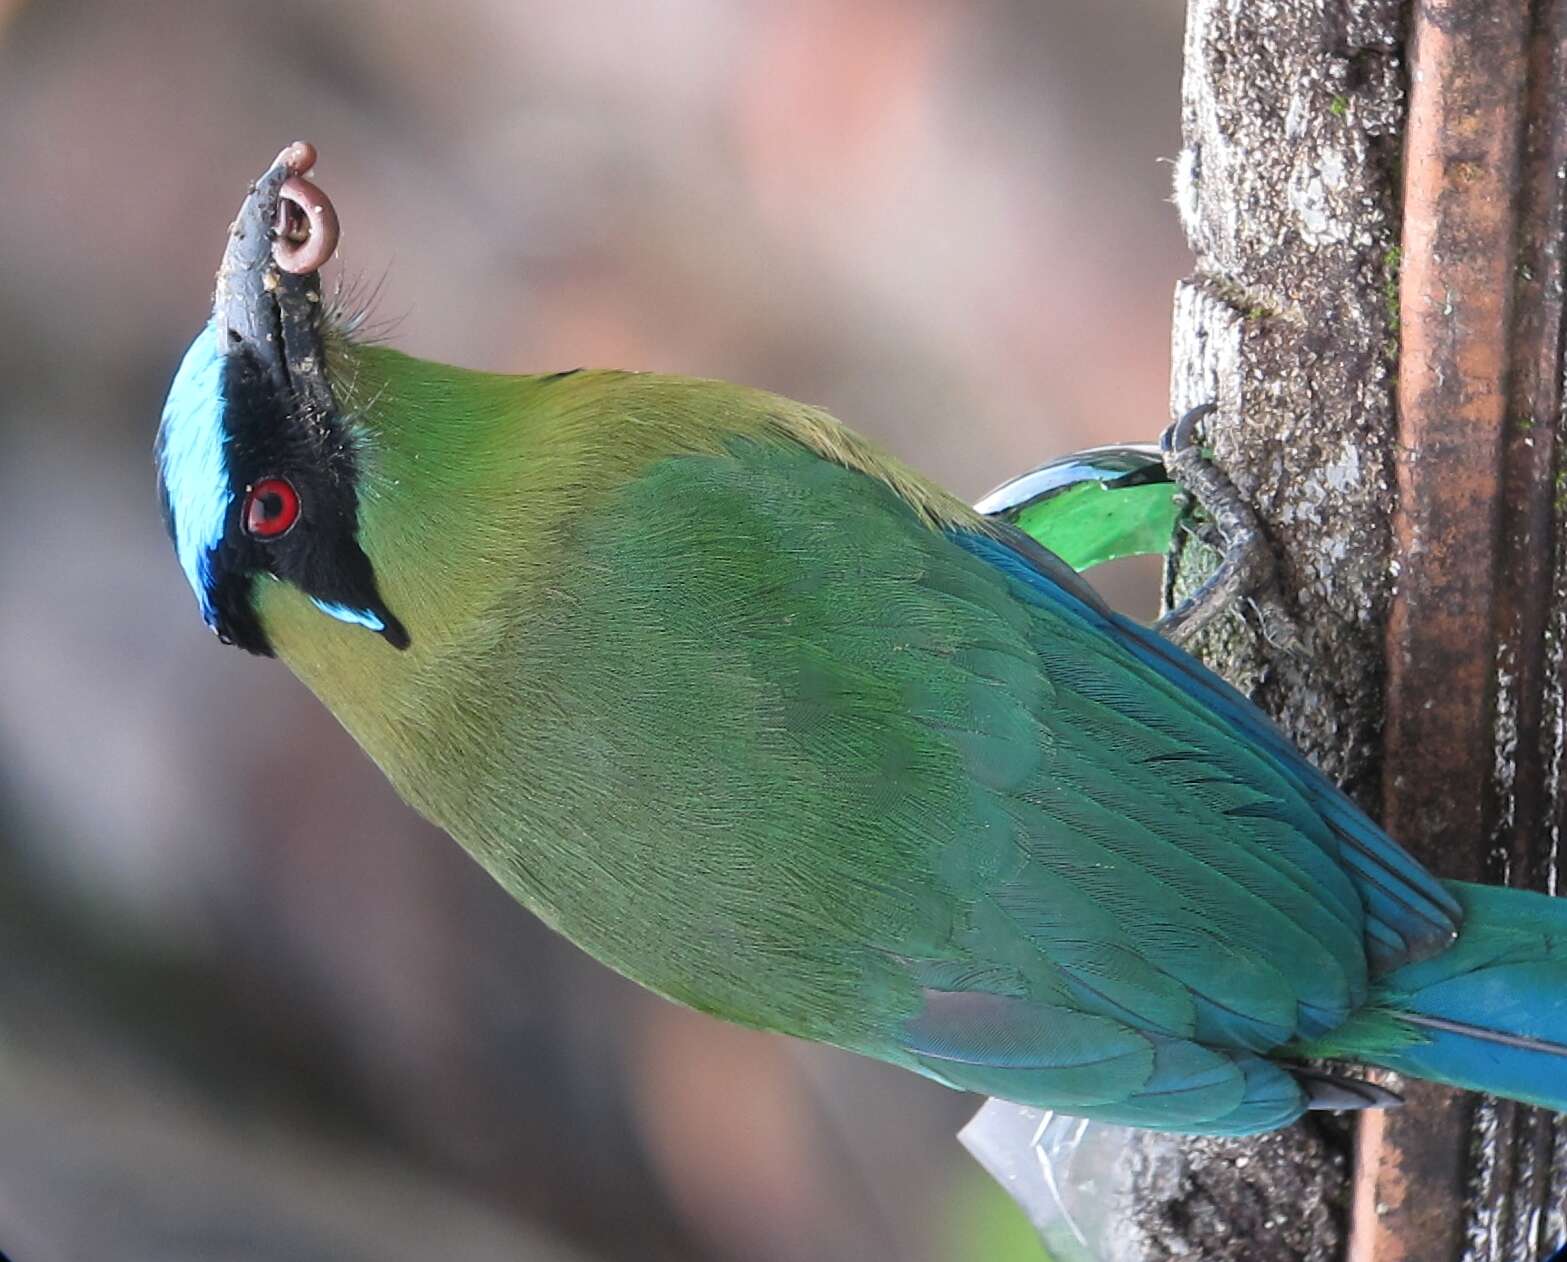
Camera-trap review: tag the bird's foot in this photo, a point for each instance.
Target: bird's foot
(1339, 1092)
(1247, 571)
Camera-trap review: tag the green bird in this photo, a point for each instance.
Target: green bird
(768, 722)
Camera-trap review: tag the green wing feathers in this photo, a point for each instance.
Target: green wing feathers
(890, 774)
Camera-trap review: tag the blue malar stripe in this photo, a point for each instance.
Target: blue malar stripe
(193, 464)
(359, 617)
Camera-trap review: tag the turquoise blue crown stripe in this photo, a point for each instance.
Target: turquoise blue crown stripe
(194, 464)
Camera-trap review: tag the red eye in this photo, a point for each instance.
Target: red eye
(271, 508)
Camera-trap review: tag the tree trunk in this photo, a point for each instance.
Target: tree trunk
(1287, 188)
(1412, 504)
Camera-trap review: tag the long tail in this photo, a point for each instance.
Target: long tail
(1489, 1013)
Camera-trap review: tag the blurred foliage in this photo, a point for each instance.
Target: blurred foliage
(985, 1223)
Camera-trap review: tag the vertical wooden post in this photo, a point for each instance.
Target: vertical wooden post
(1470, 776)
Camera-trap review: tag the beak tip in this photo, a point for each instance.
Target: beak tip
(258, 249)
(297, 158)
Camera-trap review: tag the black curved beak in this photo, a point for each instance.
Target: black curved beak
(280, 418)
(267, 301)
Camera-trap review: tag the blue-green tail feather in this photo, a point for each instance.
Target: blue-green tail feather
(1483, 1006)
(1488, 1014)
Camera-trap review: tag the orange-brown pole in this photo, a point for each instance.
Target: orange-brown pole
(1472, 535)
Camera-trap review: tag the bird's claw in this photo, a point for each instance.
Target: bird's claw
(1247, 570)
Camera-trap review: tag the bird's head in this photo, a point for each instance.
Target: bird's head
(258, 469)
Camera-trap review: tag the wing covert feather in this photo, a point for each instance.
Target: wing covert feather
(1109, 893)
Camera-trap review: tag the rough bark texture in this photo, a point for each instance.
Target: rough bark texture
(1420, 539)
(1287, 186)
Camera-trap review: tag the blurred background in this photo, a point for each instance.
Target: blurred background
(250, 1006)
